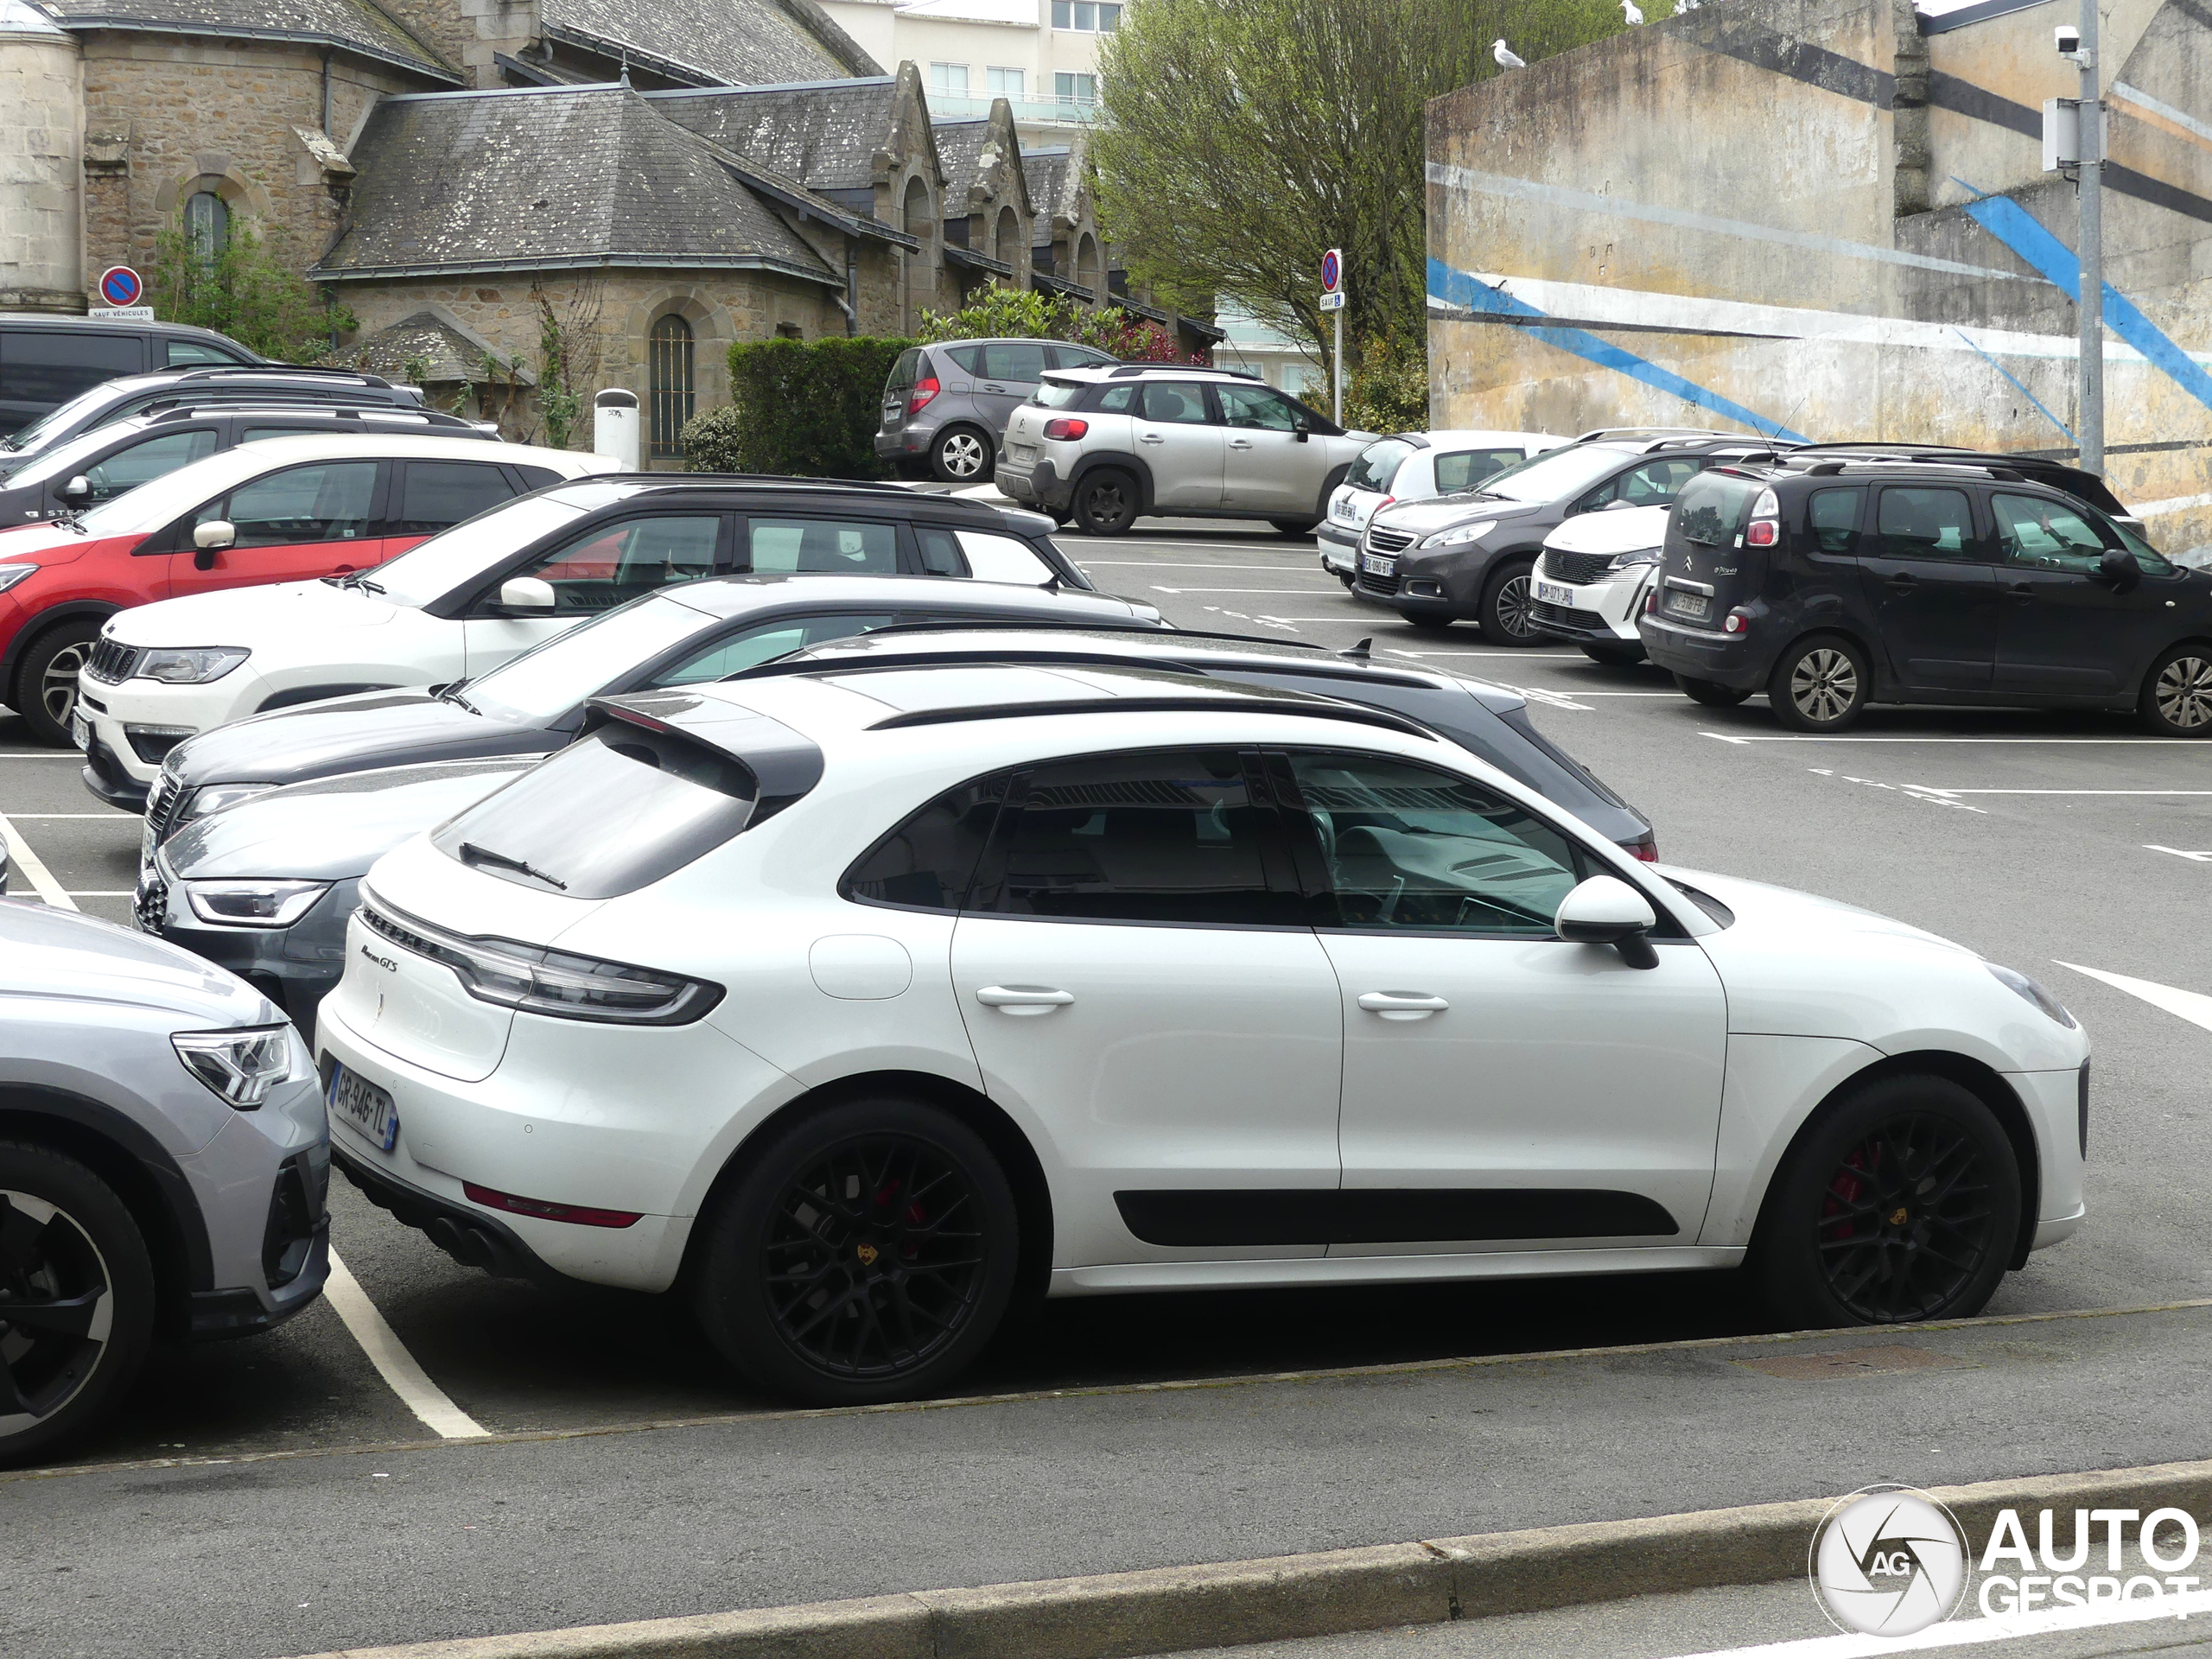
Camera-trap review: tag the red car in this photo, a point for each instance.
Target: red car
(279, 511)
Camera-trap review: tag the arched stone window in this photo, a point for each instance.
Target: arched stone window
(207, 225)
(1009, 249)
(671, 386)
(917, 221)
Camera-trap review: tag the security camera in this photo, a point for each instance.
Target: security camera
(2069, 39)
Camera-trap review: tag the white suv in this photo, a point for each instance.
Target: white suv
(858, 1003)
(1414, 466)
(1590, 580)
(1106, 446)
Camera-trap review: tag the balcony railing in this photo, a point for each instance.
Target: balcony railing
(1036, 112)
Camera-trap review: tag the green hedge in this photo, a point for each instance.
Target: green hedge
(806, 407)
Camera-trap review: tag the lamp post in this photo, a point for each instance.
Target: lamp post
(2089, 419)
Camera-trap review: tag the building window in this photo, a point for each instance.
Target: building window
(1079, 90)
(949, 78)
(668, 376)
(1003, 83)
(207, 225)
(1086, 17)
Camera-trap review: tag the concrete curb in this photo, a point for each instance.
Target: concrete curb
(1174, 1609)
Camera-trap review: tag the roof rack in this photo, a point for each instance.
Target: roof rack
(1604, 432)
(1077, 650)
(175, 410)
(1163, 704)
(356, 376)
(726, 480)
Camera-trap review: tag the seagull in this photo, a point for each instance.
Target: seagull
(1506, 58)
(1630, 10)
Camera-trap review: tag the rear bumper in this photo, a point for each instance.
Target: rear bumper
(470, 1237)
(907, 441)
(1339, 545)
(1703, 654)
(1039, 485)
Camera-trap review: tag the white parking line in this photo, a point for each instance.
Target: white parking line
(1932, 790)
(1972, 1632)
(394, 1364)
(1185, 564)
(1524, 656)
(120, 818)
(1301, 592)
(1746, 737)
(23, 858)
(101, 892)
(2192, 1006)
(45, 754)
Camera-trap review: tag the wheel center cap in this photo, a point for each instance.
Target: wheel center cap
(868, 1252)
(1897, 1218)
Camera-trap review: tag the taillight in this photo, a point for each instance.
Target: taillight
(924, 389)
(1650, 600)
(576, 1214)
(1647, 849)
(1066, 429)
(1762, 532)
(1737, 623)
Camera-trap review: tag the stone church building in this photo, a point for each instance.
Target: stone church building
(640, 182)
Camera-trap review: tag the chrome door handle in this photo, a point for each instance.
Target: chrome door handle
(1024, 999)
(1401, 1005)
(1150, 437)
(988, 387)
(1240, 444)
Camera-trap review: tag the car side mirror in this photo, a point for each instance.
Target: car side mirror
(1302, 432)
(2121, 568)
(527, 595)
(1605, 910)
(215, 533)
(77, 488)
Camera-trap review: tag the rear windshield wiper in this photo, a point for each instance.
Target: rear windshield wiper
(470, 852)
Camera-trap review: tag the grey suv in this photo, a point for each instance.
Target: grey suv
(1105, 447)
(1472, 555)
(946, 406)
(164, 1165)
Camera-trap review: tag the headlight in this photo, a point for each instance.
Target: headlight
(253, 904)
(2021, 986)
(243, 1065)
(12, 574)
(191, 664)
(1641, 555)
(1464, 534)
(213, 799)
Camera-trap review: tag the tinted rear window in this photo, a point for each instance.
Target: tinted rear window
(1052, 395)
(1377, 465)
(1712, 506)
(904, 371)
(606, 815)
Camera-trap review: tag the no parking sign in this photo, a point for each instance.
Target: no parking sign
(120, 289)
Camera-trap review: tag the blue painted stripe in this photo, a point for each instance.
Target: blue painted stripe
(1457, 288)
(2012, 224)
(2020, 386)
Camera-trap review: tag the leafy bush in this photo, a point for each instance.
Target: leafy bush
(248, 291)
(1389, 391)
(996, 313)
(805, 407)
(710, 442)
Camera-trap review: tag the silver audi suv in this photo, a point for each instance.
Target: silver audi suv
(164, 1160)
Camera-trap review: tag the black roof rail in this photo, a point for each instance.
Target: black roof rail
(1601, 433)
(743, 481)
(1333, 665)
(1161, 703)
(359, 376)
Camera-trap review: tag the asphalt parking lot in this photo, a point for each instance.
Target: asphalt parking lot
(2067, 847)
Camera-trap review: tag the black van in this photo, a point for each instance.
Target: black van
(1830, 583)
(46, 359)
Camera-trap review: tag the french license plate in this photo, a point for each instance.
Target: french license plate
(1376, 565)
(1551, 593)
(80, 730)
(1343, 509)
(1682, 604)
(366, 1107)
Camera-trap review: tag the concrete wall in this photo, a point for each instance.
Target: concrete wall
(41, 266)
(1804, 215)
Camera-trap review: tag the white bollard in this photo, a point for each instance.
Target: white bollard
(614, 427)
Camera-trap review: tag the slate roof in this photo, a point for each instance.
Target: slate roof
(726, 43)
(1052, 194)
(450, 352)
(540, 177)
(359, 26)
(825, 134)
(960, 156)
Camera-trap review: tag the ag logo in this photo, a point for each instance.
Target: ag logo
(1889, 1560)
(867, 1254)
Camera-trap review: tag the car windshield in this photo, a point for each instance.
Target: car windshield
(467, 550)
(1377, 465)
(2153, 562)
(1555, 475)
(58, 460)
(554, 676)
(54, 422)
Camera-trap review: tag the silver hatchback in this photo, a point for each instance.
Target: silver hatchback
(945, 405)
(1105, 447)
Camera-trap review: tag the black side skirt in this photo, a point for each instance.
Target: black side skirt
(1200, 1218)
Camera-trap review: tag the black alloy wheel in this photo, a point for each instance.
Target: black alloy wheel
(1903, 1205)
(2177, 699)
(867, 1255)
(1711, 693)
(961, 454)
(1820, 684)
(76, 1300)
(1105, 502)
(45, 685)
(1508, 612)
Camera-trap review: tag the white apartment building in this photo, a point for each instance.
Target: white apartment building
(1040, 55)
